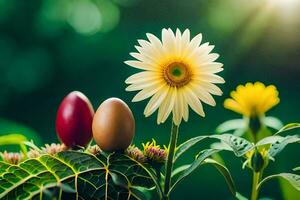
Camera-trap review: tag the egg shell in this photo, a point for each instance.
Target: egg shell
(74, 120)
(113, 125)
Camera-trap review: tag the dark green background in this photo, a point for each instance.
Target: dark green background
(51, 47)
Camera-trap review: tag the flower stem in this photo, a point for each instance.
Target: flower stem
(169, 164)
(256, 180)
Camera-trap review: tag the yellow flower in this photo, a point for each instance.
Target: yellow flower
(252, 100)
(178, 73)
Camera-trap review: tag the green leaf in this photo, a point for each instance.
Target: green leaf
(141, 192)
(277, 143)
(287, 191)
(180, 169)
(297, 169)
(220, 167)
(269, 140)
(293, 179)
(240, 132)
(273, 122)
(17, 139)
(115, 176)
(281, 143)
(238, 145)
(230, 142)
(221, 146)
(186, 146)
(239, 196)
(288, 127)
(195, 164)
(230, 125)
(225, 172)
(12, 139)
(9, 127)
(3, 167)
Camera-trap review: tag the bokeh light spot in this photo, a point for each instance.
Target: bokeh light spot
(85, 17)
(110, 13)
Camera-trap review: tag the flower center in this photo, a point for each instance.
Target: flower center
(177, 74)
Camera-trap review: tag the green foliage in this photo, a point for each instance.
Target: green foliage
(288, 127)
(17, 139)
(201, 159)
(9, 127)
(238, 145)
(233, 124)
(224, 171)
(239, 196)
(297, 169)
(75, 174)
(293, 179)
(195, 164)
(182, 148)
(288, 192)
(230, 142)
(240, 126)
(220, 167)
(272, 122)
(277, 143)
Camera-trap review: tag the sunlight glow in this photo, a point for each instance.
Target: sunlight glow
(286, 7)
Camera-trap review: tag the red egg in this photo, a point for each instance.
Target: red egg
(74, 120)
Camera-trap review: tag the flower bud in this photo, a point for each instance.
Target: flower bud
(257, 161)
(53, 148)
(94, 149)
(154, 154)
(12, 157)
(135, 153)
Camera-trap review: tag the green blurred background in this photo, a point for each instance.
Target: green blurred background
(51, 47)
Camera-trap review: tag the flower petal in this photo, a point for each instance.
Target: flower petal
(178, 108)
(195, 42)
(210, 68)
(142, 77)
(167, 106)
(194, 102)
(143, 85)
(211, 88)
(168, 40)
(203, 95)
(212, 78)
(139, 65)
(156, 101)
(146, 93)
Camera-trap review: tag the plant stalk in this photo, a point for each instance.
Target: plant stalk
(256, 180)
(169, 163)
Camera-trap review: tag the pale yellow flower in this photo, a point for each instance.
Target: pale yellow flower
(252, 100)
(178, 73)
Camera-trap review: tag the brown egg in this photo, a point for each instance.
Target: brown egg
(113, 125)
